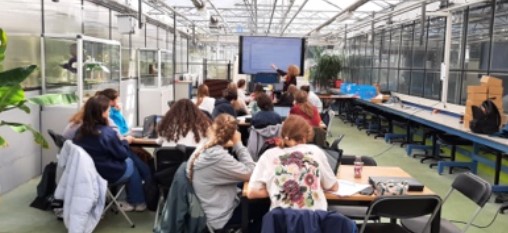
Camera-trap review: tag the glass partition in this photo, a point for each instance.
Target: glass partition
(148, 66)
(166, 67)
(81, 65)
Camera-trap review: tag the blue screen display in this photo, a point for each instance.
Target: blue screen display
(258, 53)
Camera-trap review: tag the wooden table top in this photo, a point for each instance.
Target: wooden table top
(145, 142)
(337, 96)
(346, 172)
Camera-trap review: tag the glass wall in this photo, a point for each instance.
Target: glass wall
(407, 58)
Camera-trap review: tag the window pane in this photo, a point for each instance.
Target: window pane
(377, 48)
(385, 48)
(419, 42)
(500, 40)
(416, 83)
(435, 44)
(454, 88)
(477, 46)
(471, 78)
(406, 47)
(432, 87)
(456, 55)
(375, 75)
(151, 36)
(393, 80)
(383, 79)
(96, 20)
(404, 77)
(394, 48)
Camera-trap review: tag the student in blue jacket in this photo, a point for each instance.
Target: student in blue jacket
(115, 113)
(109, 153)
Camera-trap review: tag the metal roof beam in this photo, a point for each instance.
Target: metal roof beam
(271, 16)
(293, 18)
(349, 9)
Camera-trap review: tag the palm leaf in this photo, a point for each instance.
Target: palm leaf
(21, 128)
(3, 143)
(11, 96)
(53, 99)
(16, 76)
(3, 44)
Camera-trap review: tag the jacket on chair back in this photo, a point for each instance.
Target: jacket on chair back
(81, 188)
(281, 220)
(182, 211)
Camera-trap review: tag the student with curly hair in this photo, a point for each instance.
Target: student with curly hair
(215, 173)
(295, 174)
(305, 109)
(183, 124)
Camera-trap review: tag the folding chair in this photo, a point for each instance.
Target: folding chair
(355, 212)
(400, 207)
(331, 115)
(471, 186)
(58, 139)
(120, 187)
(167, 160)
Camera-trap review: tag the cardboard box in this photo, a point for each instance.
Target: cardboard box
(469, 110)
(467, 119)
(477, 96)
(495, 90)
(471, 102)
(477, 89)
(491, 81)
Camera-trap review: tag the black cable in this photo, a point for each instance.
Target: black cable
(381, 153)
(477, 226)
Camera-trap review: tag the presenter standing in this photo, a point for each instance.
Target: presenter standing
(291, 74)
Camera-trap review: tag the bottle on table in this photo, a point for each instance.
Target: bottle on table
(358, 167)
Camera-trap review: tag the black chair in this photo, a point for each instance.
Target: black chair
(355, 212)
(58, 139)
(400, 207)
(167, 160)
(207, 114)
(471, 186)
(334, 154)
(453, 141)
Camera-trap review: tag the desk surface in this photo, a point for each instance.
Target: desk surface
(445, 123)
(145, 142)
(337, 96)
(241, 122)
(346, 172)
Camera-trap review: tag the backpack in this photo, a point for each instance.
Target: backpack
(486, 118)
(46, 188)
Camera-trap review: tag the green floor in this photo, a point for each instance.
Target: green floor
(16, 216)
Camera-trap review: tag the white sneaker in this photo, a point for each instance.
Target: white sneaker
(140, 207)
(126, 206)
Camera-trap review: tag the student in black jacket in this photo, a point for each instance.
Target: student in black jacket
(266, 116)
(109, 153)
(225, 104)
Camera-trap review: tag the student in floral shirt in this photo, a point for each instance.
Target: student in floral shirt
(296, 174)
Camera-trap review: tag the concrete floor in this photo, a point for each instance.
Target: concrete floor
(16, 216)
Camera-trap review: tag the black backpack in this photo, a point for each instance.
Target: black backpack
(46, 188)
(486, 118)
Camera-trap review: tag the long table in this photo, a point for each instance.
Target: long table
(346, 172)
(451, 125)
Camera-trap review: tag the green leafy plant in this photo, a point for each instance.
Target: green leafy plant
(326, 70)
(12, 96)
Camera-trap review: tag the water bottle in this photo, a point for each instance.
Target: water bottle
(358, 167)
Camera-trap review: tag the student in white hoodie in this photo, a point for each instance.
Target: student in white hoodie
(215, 173)
(203, 100)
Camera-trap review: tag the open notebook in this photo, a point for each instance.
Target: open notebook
(348, 188)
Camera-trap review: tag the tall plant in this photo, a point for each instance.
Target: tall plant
(12, 96)
(327, 69)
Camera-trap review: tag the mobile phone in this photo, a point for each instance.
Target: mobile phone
(367, 191)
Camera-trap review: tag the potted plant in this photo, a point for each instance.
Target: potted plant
(326, 70)
(12, 96)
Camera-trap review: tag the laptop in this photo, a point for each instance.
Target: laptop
(413, 184)
(150, 126)
(282, 111)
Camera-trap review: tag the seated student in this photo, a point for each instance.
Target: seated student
(239, 105)
(287, 98)
(115, 112)
(203, 100)
(266, 116)
(74, 123)
(183, 124)
(241, 84)
(304, 109)
(225, 104)
(109, 153)
(215, 174)
(296, 174)
(258, 89)
(313, 98)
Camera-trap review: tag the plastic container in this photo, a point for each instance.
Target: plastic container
(358, 167)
